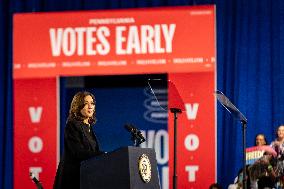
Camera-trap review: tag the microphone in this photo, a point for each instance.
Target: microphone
(135, 132)
(36, 181)
(130, 128)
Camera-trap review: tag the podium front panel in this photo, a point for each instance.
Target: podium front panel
(119, 170)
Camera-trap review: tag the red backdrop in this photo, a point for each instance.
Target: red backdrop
(35, 131)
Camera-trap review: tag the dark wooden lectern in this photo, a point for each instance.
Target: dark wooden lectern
(119, 170)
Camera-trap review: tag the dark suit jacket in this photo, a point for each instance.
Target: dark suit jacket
(79, 145)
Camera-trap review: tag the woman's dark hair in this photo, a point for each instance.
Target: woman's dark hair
(77, 104)
(260, 134)
(215, 186)
(276, 133)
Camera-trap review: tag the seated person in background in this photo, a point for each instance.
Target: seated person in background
(259, 150)
(260, 140)
(278, 146)
(238, 183)
(278, 143)
(258, 160)
(261, 171)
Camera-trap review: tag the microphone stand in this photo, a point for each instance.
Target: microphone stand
(135, 139)
(176, 109)
(233, 110)
(175, 112)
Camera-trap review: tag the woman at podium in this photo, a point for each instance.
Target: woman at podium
(80, 142)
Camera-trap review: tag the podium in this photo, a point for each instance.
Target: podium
(126, 168)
